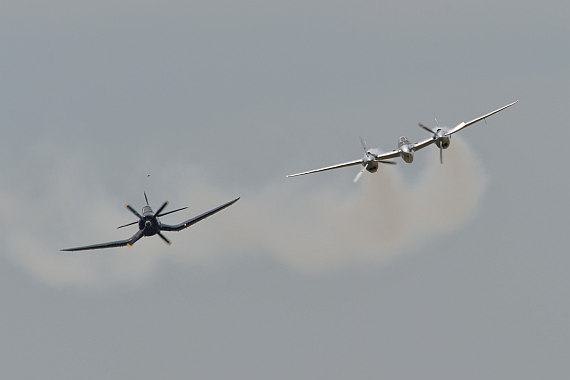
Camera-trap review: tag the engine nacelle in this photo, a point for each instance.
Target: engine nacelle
(372, 167)
(444, 142)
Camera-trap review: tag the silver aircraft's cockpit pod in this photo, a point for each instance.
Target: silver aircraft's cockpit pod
(146, 210)
(403, 141)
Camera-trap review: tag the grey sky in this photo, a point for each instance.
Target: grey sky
(301, 278)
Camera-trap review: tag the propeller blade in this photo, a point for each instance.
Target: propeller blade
(363, 143)
(387, 162)
(358, 175)
(146, 199)
(440, 155)
(126, 225)
(164, 238)
(161, 208)
(133, 210)
(427, 128)
(170, 212)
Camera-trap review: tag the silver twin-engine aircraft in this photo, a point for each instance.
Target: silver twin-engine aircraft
(372, 157)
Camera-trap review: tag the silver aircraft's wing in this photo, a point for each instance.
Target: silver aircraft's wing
(388, 155)
(196, 219)
(462, 125)
(423, 144)
(119, 243)
(350, 163)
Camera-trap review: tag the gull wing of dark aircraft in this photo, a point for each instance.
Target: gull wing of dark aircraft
(196, 219)
(118, 243)
(149, 225)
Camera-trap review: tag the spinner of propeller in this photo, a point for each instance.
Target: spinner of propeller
(368, 159)
(147, 221)
(440, 137)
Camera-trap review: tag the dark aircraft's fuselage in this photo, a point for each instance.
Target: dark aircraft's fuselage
(149, 224)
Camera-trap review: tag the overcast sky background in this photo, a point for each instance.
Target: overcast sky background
(418, 271)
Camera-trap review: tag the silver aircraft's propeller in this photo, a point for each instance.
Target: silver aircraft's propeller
(436, 136)
(367, 159)
(427, 128)
(359, 174)
(363, 143)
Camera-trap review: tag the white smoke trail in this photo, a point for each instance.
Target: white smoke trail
(324, 230)
(312, 232)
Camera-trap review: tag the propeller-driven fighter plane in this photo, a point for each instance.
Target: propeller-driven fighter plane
(150, 225)
(372, 157)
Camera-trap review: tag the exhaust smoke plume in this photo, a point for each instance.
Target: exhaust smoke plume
(313, 232)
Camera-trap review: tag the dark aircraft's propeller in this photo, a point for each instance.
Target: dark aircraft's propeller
(156, 214)
(436, 136)
(164, 238)
(133, 210)
(170, 212)
(160, 209)
(129, 224)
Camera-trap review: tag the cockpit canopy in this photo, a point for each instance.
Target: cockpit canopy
(146, 210)
(403, 141)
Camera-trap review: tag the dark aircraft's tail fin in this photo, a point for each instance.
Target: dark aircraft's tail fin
(146, 199)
